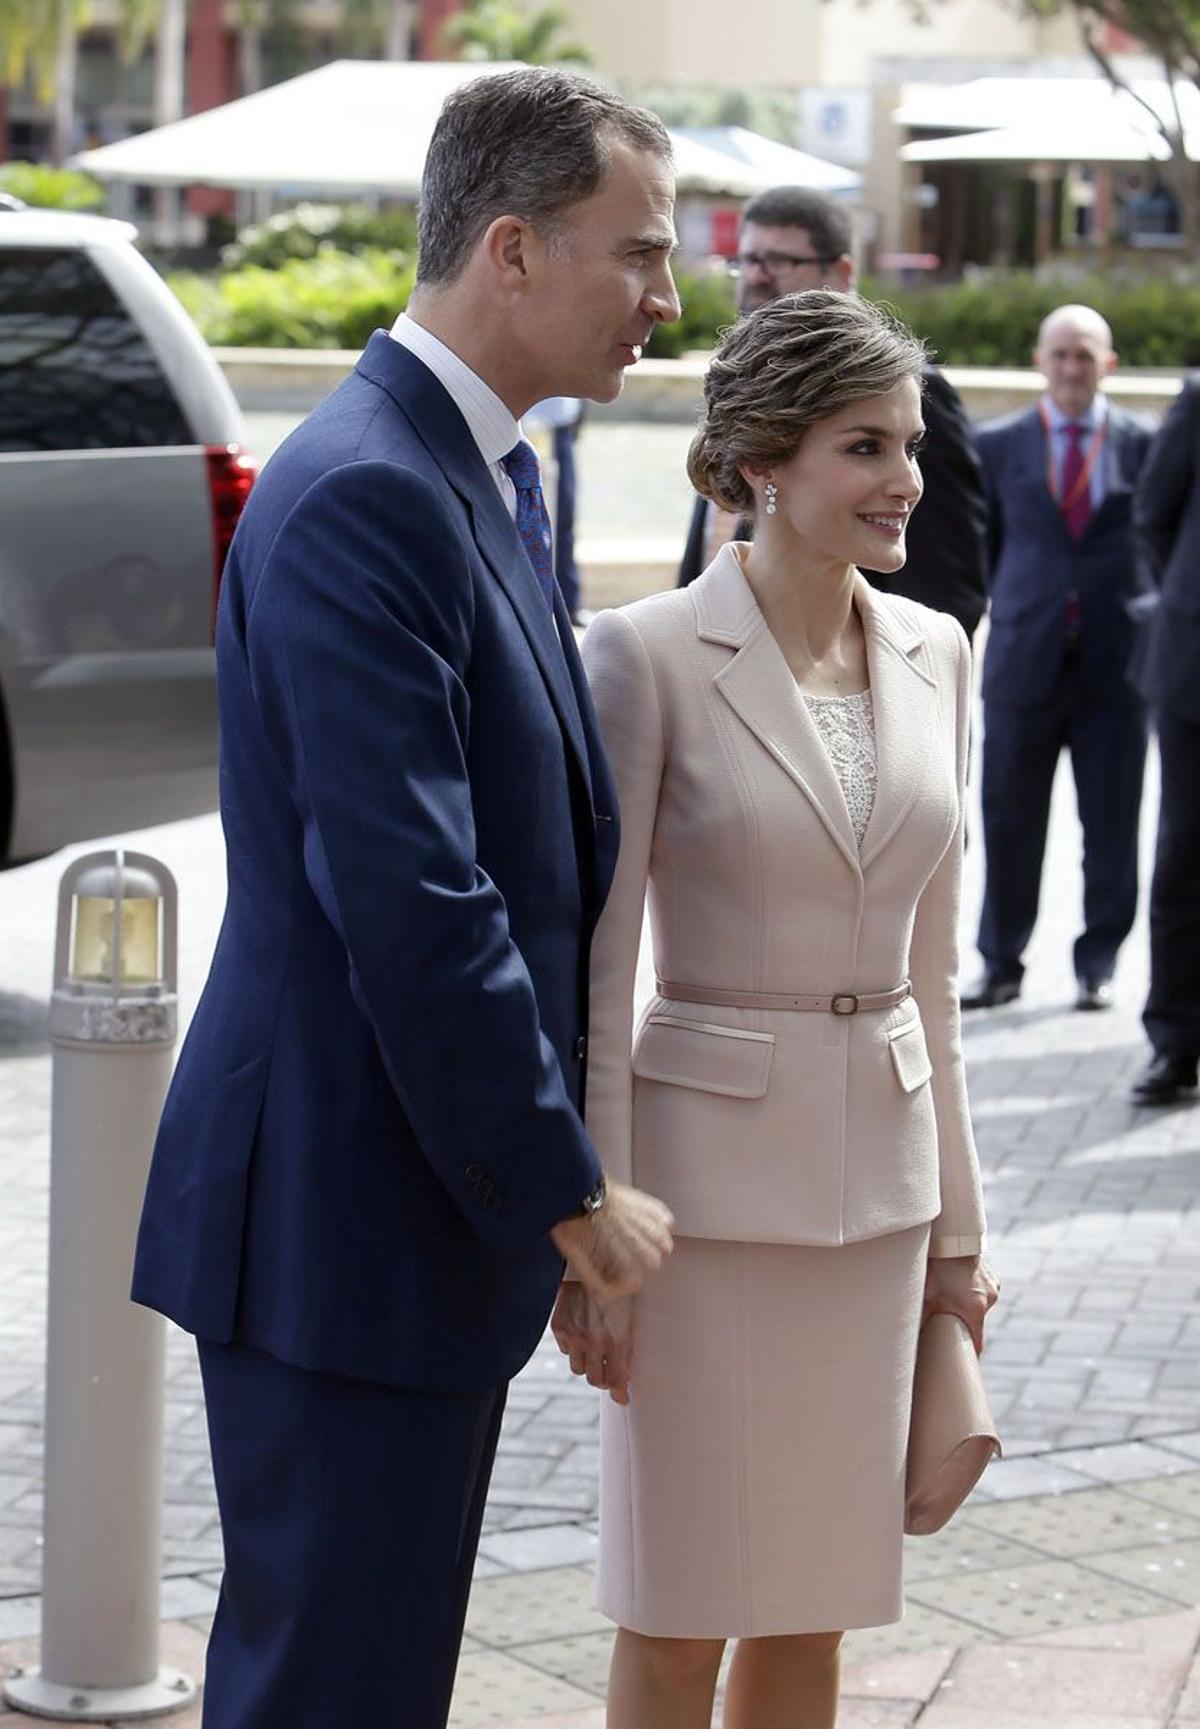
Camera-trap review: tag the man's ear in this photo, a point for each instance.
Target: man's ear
(1113, 360)
(504, 246)
(841, 274)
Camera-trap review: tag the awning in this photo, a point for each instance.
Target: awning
(1046, 120)
(772, 163)
(353, 127)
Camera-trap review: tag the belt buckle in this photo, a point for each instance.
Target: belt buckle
(844, 1004)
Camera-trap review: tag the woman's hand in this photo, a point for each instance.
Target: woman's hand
(962, 1285)
(598, 1338)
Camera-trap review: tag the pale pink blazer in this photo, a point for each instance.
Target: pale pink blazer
(777, 1126)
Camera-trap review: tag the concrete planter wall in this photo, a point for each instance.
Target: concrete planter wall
(670, 390)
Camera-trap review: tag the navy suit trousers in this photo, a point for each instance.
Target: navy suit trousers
(1106, 738)
(351, 1514)
(1172, 1015)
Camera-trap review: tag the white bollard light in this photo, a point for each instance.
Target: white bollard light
(113, 1024)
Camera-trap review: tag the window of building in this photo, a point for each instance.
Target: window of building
(76, 373)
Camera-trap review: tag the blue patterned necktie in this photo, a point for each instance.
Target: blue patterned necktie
(533, 524)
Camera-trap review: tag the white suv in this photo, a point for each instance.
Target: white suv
(122, 476)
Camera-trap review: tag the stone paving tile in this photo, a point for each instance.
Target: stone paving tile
(534, 1606)
(1119, 1685)
(582, 1660)
(493, 1686)
(555, 1545)
(1085, 1522)
(1021, 1602)
(1173, 1572)
(1177, 1634)
(914, 1675)
(923, 1628)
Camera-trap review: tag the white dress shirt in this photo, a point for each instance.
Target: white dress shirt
(492, 425)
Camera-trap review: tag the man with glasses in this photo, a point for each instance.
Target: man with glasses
(793, 238)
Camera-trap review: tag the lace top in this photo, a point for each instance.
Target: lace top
(847, 728)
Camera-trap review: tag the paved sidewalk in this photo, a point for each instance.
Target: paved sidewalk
(1067, 1593)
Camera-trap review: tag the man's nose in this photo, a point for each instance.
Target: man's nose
(661, 301)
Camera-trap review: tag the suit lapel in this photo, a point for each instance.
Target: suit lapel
(758, 686)
(442, 430)
(1035, 463)
(904, 697)
(1117, 486)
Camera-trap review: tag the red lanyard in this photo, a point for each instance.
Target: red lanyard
(1084, 479)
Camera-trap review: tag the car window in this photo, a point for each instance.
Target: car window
(76, 373)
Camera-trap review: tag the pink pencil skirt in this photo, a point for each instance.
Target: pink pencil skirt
(754, 1485)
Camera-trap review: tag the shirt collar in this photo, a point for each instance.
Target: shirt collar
(490, 423)
(1091, 420)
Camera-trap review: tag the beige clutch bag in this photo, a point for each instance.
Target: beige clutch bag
(952, 1436)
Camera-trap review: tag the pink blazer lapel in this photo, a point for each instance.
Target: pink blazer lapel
(908, 717)
(758, 686)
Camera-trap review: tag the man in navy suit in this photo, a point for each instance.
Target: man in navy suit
(1064, 574)
(371, 1165)
(1167, 516)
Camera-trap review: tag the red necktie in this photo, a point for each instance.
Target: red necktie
(1076, 497)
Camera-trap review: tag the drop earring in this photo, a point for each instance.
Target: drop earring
(772, 492)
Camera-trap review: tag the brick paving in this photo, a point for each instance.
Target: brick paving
(1068, 1592)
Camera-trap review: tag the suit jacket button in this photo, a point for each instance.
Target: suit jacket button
(474, 1172)
(491, 1201)
(580, 1048)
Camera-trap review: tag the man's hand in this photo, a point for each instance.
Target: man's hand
(962, 1285)
(597, 1339)
(614, 1250)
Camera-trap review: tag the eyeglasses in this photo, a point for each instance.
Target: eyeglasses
(775, 263)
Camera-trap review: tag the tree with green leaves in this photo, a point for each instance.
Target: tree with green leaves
(38, 37)
(1170, 31)
(503, 30)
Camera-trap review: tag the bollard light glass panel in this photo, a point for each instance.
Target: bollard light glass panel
(115, 907)
(115, 957)
(105, 929)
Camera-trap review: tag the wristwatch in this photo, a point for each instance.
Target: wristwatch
(592, 1201)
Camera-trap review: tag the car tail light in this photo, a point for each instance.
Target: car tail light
(231, 474)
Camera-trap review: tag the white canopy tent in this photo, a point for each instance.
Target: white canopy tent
(777, 164)
(1046, 120)
(353, 127)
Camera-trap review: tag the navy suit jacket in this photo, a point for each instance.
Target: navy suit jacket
(1167, 515)
(375, 1117)
(1035, 566)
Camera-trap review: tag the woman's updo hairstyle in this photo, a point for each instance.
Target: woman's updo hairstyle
(778, 371)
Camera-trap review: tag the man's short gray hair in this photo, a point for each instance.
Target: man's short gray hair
(529, 143)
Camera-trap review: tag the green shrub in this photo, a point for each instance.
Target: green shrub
(311, 228)
(993, 320)
(708, 306)
(332, 300)
(46, 188)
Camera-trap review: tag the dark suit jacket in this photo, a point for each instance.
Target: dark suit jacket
(946, 567)
(1035, 566)
(1166, 514)
(375, 1118)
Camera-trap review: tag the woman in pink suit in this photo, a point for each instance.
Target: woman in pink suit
(790, 749)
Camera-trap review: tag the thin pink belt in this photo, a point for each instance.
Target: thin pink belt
(844, 1003)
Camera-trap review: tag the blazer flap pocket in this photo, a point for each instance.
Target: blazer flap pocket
(910, 1058)
(701, 1054)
